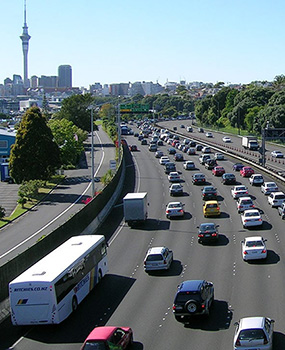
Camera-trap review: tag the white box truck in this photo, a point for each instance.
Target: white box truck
(135, 208)
(250, 142)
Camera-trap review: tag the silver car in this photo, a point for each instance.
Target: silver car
(174, 209)
(158, 258)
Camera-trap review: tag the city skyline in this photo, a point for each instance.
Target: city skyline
(144, 41)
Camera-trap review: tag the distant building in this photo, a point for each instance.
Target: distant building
(48, 81)
(34, 82)
(120, 89)
(65, 76)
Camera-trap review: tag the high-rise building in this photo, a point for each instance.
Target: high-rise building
(65, 76)
(25, 37)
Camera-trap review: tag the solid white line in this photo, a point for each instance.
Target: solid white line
(62, 213)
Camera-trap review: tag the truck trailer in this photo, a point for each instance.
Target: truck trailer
(135, 208)
(250, 142)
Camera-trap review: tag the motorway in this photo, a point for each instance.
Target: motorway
(128, 296)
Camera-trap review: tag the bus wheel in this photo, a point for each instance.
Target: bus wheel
(74, 303)
(99, 276)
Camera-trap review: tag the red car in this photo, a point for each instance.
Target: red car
(107, 338)
(246, 171)
(218, 170)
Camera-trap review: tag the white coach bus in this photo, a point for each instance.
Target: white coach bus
(51, 289)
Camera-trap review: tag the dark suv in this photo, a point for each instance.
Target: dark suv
(193, 297)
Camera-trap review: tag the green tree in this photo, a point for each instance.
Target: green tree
(75, 109)
(34, 155)
(69, 139)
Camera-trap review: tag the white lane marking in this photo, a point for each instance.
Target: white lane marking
(62, 213)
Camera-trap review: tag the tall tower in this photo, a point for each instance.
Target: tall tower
(25, 37)
(65, 76)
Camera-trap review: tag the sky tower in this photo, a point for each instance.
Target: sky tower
(25, 37)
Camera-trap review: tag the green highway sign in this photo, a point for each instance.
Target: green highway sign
(134, 108)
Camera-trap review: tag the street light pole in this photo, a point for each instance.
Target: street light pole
(119, 133)
(92, 154)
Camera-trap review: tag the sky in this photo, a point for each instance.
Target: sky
(112, 41)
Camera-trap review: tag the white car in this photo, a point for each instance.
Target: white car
(226, 139)
(174, 209)
(209, 134)
(251, 218)
(277, 154)
(176, 190)
(256, 179)
(158, 258)
(253, 248)
(163, 160)
(275, 199)
(174, 176)
(189, 165)
(254, 333)
(269, 187)
(219, 156)
(239, 191)
(206, 149)
(244, 203)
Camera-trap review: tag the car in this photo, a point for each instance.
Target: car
(182, 126)
(208, 232)
(198, 179)
(203, 158)
(211, 208)
(152, 148)
(253, 248)
(246, 171)
(174, 209)
(158, 258)
(163, 160)
(171, 150)
(251, 217)
(254, 333)
(173, 176)
(228, 179)
(256, 179)
(169, 167)
(159, 143)
(219, 156)
(192, 298)
(206, 149)
(191, 151)
(136, 134)
(210, 163)
(189, 165)
(176, 190)
(277, 154)
(198, 147)
(269, 187)
(275, 199)
(209, 134)
(175, 128)
(140, 137)
(281, 210)
(244, 203)
(239, 191)
(186, 141)
(209, 192)
(192, 143)
(226, 139)
(218, 170)
(158, 154)
(143, 142)
(200, 130)
(238, 166)
(133, 148)
(189, 129)
(178, 157)
(108, 337)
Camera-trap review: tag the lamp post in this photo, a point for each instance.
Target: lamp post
(92, 154)
(119, 133)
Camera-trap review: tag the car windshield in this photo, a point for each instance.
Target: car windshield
(251, 244)
(253, 213)
(96, 345)
(207, 227)
(154, 257)
(174, 205)
(246, 202)
(271, 185)
(211, 205)
(241, 188)
(199, 176)
(251, 334)
(209, 189)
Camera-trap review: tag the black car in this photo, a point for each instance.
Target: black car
(193, 144)
(171, 150)
(198, 179)
(200, 130)
(144, 142)
(208, 232)
(199, 147)
(169, 167)
(210, 164)
(209, 192)
(193, 297)
(228, 179)
(179, 157)
(238, 166)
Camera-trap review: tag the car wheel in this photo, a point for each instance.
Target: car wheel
(191, 306)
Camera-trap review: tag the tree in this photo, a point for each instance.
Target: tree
(35, 155)
(69, 139)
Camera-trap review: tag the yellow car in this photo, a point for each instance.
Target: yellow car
(211, 208)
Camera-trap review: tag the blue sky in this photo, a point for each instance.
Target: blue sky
(120, 41)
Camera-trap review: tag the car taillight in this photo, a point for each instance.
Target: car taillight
(259, 219)
(239, 206)
(200, 235)
(180, 210)
(214, 234)
(203, 306)
(246, 220)
(173, 307)
(237, 343)
(252, 205)
(144, 262)
(218, 208)
(167, 211)
(245, 252)
(263, 251)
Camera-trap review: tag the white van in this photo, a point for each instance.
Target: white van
(158, 258)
